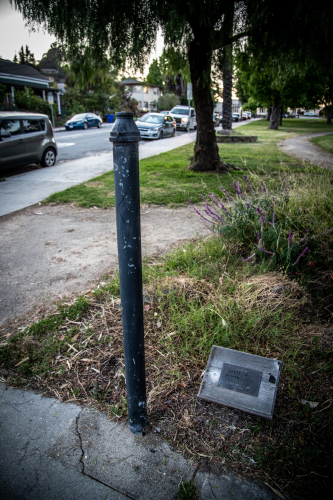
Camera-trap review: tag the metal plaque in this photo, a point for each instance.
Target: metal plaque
(241, 380)
(236, 378)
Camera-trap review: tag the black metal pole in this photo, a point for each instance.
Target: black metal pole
(125, 137)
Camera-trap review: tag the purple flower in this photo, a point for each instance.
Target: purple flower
(249, 183)
(266, 251)
(289, 238)
(226, 193)
(236, 188)
(259, 211)
(218, 202)
(258, 236)
(247, 205)
(287, 190)
(263, 187)
(323, 234)
(302, 254)
(273, 199)
(249, 258)
(283, 183)
(200, 215)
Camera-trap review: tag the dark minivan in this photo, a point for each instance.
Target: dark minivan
(26, 138)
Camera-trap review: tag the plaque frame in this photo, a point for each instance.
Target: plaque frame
(261, 404)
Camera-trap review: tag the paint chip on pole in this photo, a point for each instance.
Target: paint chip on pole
(125, 137)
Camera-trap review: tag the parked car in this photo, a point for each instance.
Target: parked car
(26, 138)
(84, 120)
(156, 126)
(216, 119)
(235, 117)
(185, 117)
(168, 113)
(310, 113)
(247, 114)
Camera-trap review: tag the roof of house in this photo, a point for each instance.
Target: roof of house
(130, 81)
(20, 69)
(21, 74)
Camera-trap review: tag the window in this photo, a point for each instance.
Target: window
(136, 88)
(156, 91)
(145, 90)
(31, 126)
(192, 112)
(10, 127)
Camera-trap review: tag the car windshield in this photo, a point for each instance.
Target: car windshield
(79, 117)
(152, 119)
(180, 111)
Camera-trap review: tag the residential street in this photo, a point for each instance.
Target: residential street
(85, 143)
(26, 186)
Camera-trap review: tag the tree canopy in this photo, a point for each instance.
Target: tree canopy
(127, 31)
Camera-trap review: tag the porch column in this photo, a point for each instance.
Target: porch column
(13, 96)
(58, 101)
(43, 95)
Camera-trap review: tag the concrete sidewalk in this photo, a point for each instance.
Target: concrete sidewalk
(300, 147)
(51, 451)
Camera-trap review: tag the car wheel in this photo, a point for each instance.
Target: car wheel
(49, 158)
(99, 125)
(85, 125)
(160, 135)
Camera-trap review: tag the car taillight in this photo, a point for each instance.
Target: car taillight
(51, 126)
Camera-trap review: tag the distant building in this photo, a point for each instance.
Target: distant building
(17, 76)
(145, 95)
(235, 106)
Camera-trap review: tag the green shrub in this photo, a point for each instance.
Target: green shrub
(266, 227)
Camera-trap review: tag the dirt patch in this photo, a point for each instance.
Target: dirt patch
(53, 251)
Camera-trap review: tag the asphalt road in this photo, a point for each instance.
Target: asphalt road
(82, 143)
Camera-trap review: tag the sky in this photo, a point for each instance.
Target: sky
(14, 34)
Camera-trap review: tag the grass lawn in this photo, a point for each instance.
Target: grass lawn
(165, 180)
(325, 142)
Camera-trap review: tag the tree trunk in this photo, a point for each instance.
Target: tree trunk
(329, 114)
(206, 153)
(269, 112)
(227, 90)
(275, 116)
(281, 113)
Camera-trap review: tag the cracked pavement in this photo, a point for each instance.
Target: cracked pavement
(52, 450)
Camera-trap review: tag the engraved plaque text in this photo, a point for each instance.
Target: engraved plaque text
(236, 378)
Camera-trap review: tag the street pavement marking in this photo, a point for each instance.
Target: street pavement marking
(65, 144)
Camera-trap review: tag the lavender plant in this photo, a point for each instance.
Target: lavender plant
(261, 223)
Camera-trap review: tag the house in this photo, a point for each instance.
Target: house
(17, 76)
(146, 95)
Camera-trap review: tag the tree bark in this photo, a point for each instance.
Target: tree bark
(269, 112)
(206, 153)
(329, 114)
(281, 113)
(227, 90)
(275, 116)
